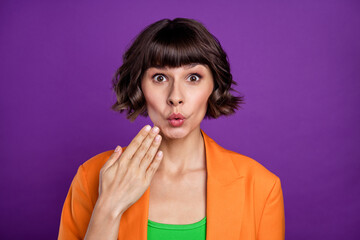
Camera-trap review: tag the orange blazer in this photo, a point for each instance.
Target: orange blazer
(244, 200)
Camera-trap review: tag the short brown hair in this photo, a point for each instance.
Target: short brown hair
(174, 43)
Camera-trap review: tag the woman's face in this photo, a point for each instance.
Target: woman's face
(183, 90)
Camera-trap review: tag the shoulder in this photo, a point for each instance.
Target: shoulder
(88, 174)
(251, 169)
(95, 163)
(244, 166)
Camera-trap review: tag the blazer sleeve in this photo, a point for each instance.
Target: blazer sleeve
(77, 209)
(272, 222)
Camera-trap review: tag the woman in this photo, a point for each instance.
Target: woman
(173, 181)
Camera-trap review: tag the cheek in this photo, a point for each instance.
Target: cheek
(153, 100)
(149, 98)
(201, 100)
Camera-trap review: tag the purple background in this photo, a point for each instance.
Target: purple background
(297, 63)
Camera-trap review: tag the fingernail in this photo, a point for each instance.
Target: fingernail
(117, 149)
(155, 129)
(147, 128)
(157, 138)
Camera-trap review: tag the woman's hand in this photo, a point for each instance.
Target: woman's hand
(126, 175)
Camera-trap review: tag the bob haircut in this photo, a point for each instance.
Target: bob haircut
(174, 43)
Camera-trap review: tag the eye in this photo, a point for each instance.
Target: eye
(158, 77)
(194, 77)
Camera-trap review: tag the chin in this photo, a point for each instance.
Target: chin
(174, 132)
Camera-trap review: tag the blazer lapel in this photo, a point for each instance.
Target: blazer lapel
(225, 193)
(224, 201)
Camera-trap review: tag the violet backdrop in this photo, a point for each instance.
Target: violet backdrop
(296, 62)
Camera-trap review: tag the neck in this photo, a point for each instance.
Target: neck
(183, 155)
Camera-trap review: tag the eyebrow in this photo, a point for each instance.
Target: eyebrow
(187, 66)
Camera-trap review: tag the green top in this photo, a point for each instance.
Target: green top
(162, 231)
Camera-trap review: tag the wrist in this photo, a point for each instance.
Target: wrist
(107, 208)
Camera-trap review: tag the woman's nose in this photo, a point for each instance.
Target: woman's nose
(175, 97)
(175, 102)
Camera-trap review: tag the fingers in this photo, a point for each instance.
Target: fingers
(112, 159)
(153, 166)
(150, 154)
(137, 149)
(136, 142)
(144, 147)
